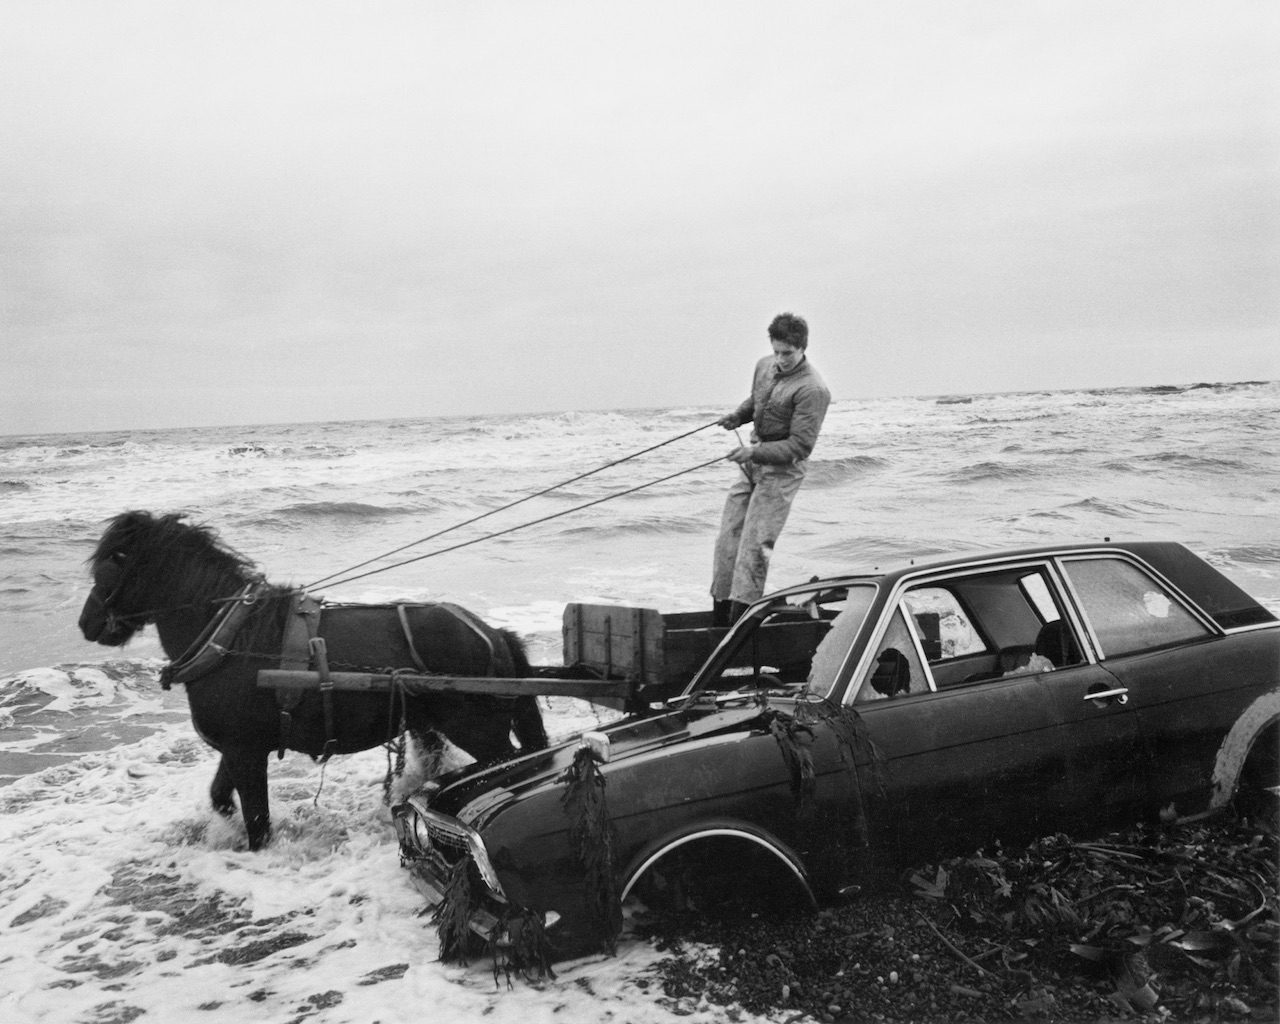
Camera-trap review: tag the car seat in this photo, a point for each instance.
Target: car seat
(1055, 642)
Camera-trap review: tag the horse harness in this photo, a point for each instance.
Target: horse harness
(213, 644)
(302, 648)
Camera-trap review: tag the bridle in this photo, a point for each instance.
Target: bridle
(113, 619)
(142, 618)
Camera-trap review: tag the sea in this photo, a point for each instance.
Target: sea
(124, 897)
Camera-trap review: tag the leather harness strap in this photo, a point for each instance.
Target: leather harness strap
(458, 612)
(469, 619)
(402, 612)
(301, 625)
(210, 647)
(303, 649)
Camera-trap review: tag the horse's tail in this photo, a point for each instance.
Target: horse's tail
(526, 719)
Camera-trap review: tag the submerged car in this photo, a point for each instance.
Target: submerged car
(873, 720)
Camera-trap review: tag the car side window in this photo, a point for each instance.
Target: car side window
(943, 624)
(896, 669)
(976, 626)
(1127, 609)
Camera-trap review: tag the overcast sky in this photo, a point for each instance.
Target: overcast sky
(255, 212)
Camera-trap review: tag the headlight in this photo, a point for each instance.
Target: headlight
(421, 833)
(481, 857)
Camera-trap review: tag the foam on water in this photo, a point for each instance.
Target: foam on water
(124, 897)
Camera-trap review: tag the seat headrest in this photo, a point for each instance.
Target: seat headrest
(1055, 642)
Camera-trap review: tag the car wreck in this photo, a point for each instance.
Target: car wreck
(864, 722)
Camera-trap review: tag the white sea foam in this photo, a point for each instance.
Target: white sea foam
(124, 896)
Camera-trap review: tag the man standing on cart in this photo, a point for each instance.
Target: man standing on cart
(786, 407)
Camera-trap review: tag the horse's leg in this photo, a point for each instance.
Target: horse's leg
(248, 772)
(222, 792)
(526, 720)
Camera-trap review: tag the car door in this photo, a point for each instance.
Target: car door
(1178, 674)
(995, 751)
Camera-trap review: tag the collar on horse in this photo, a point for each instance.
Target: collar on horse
(211, 646)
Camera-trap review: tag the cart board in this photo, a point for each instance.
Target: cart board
(657, 653)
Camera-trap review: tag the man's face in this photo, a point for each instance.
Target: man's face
(786, 356)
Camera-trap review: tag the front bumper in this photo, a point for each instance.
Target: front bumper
(432, 845)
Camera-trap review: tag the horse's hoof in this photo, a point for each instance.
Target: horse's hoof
(259, 839)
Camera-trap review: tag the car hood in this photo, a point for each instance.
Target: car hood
(473, 793)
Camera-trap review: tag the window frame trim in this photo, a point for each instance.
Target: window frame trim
(1048, 562)
(1171, 590)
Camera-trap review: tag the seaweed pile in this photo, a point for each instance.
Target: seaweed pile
(1172, 923)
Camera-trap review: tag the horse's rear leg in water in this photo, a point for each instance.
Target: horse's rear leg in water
(247, 771)
(223, 790)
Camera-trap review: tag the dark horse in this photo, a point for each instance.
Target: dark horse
(167, 571)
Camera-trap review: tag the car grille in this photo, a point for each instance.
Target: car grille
(447, 840)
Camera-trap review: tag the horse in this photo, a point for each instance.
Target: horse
(220, 622)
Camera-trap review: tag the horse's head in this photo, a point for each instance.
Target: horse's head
(110, 615)
(145, 565)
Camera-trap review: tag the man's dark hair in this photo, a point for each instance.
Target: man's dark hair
(790, 328)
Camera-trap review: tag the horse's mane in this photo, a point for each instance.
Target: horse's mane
(169, 548)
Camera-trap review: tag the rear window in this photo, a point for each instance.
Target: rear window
(1221, 599)
(1127, 609)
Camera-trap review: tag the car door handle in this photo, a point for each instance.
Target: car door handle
(1120, 695)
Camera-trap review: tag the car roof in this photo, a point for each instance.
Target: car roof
(1216, 595)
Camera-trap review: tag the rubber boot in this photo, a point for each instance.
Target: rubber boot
(720, 613)
(736, 610)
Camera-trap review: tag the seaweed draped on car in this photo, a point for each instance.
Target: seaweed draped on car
(870, 721)
(517, 941)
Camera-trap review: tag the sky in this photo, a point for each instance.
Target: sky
(267, 211)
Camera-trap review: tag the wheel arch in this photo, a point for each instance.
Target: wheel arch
(760, 840)
(1258, 723)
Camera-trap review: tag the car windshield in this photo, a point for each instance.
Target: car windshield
(794, 646)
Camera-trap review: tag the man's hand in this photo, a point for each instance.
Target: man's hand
(740, 455)
(729, 421)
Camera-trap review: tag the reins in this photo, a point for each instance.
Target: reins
(333, 580)
(525, 525)
(349, 575)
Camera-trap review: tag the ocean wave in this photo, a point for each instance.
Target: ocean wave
(638, 525)
(1180, 389)
(1012, 417)
(1245, 554)
(335, 510)
(13, 486)
(259, 450)
(831, 472)
(862, 553)
(1100, 506)
(1187, 460)
(982, 472)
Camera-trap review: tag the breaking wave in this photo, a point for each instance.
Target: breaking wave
(828, 473)
(982, 472)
